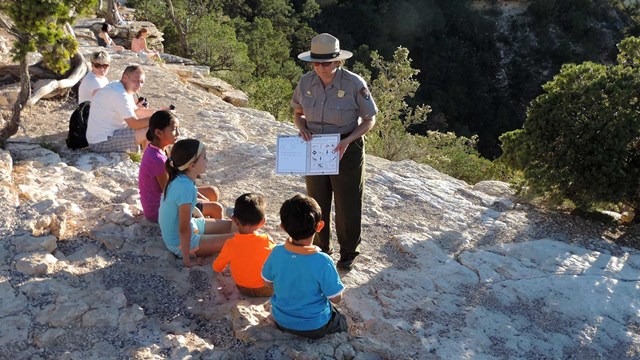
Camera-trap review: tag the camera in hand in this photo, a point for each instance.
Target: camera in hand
(143, 102)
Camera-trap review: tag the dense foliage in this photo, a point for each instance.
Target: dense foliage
(581, 139)
(39, 25)
(477, 68)
(247, 43)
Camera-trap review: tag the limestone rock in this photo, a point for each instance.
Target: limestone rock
(35, 263)
(121, 214)
(9, 96)
(8, 196)
(6, 166)
(494, 188)
(185, 345)
(99, 192)
(48, 337)
(36, 154)
(212, 85)
(40, 226)
(14, 329)
(41, 287)
(222, 89)
(62, 314)
(251, 323)
(86, 37)
(174, 59)
(236, 98)
(190, 71)
(345, 351)
(60, 227)
(12, 303)
(130, 317)
(103, 350)
(113, 297)
(84, 253)
(28, 243)
(46, 206)
(103, 316)
(110, 235)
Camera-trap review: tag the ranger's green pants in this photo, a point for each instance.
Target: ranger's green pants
(348, 189)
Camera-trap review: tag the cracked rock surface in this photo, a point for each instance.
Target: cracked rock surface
(447, 271)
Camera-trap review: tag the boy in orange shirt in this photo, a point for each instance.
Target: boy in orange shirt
(247, 251)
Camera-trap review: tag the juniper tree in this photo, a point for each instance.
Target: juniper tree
(39, 25)
(581, 138)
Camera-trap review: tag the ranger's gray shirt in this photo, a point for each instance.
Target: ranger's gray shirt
(336, 109)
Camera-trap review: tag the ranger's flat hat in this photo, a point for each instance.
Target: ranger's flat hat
(325, 48)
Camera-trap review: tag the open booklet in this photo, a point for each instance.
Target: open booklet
(313, 157)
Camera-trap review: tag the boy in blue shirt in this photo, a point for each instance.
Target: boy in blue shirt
(304, 279)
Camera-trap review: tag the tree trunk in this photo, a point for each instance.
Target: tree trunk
(112, 16)
(180, 28)
(79, 71)
(12, 126)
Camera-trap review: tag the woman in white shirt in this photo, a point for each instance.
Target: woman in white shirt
(95, 79)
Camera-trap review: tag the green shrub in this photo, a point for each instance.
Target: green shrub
(581, 137)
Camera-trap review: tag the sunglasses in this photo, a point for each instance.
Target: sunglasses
(323, 64)
(101, 66)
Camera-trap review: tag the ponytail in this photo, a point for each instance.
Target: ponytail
(183, 153)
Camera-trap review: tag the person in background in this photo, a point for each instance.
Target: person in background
(184, 234)
(305, 281)
(105, 40)
(333, 100)
(115, 122)
(247, 251)
(152, 177)
(139, 45)
(95, 79)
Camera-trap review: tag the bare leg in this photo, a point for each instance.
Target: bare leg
(213, 226)
(216, 233)
(212, 209)
(210, 192)
(212, 243)
(141, 137)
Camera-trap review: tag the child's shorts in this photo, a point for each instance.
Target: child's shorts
(197, 228)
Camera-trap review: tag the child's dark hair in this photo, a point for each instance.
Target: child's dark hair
(105, 27)
(300, 216)
(249, 209)
(183, 153)
(159, 121)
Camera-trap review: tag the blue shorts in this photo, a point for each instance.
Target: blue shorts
(197, 229)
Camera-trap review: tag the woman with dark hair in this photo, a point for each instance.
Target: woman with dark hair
(105, 40)
(184, 232)
(333, 100)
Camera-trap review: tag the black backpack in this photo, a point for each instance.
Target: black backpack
(77, 138)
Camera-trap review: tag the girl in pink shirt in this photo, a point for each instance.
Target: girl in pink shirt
(152, 177)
